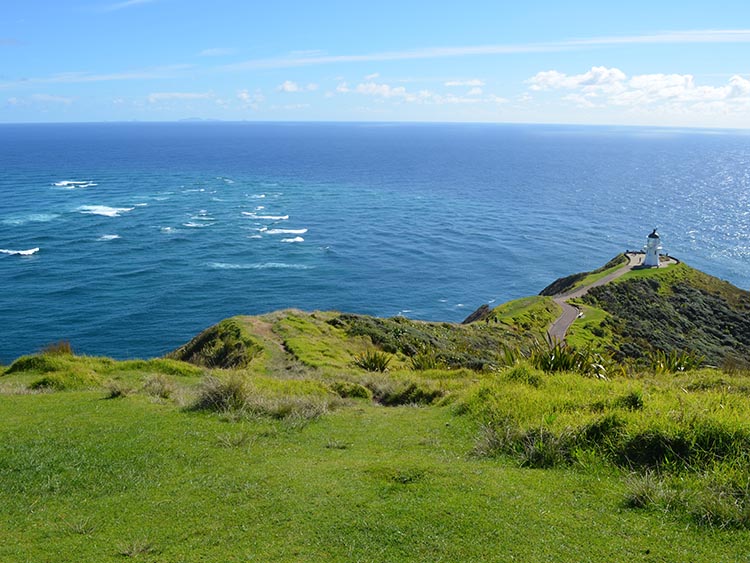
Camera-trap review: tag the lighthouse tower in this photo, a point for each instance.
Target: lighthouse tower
(652, 248)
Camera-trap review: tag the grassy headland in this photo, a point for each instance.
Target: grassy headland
(324, 436)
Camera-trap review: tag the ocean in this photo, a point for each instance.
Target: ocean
(128, 239)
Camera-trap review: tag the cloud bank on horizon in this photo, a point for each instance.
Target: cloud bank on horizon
(166, 60)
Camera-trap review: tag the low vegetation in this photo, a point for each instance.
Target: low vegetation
(325, 436)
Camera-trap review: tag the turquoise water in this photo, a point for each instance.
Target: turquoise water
(148, 233)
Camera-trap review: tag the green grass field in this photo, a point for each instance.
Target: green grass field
(127, 467)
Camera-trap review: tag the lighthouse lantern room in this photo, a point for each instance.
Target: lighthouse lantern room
(652, 248)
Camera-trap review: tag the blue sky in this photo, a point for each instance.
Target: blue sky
(642, 63)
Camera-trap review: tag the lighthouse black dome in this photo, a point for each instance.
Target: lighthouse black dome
(653, 234)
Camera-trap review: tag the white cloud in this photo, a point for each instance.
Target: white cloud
(372, 76)
(291, 86)
(401, 94)
(671, 93)
(598, 78)
(472, 82)
(251, 100)
(288, 86)
(167, 96)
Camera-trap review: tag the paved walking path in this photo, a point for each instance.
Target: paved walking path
(557, 330)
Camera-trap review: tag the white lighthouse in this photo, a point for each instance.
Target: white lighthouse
(652, 248)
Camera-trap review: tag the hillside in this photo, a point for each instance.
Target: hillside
(327, 436)
(671, 310)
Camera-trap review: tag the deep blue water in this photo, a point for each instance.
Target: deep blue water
(172, 227)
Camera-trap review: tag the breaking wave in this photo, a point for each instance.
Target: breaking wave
(265, 217)
(73, 184)
(285, 231)
(28, 252)
(104, 210)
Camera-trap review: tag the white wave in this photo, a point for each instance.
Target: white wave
(202, 218)
(104, 210)
(265, 217)
(167, 229)
(72, 184)
(260, 208)
(28, 252)
(141, 205)
(108, 237)
(258, 196)
(255, 236)
(286, 231)
(295, 239)
(260, 266)
(195, 225)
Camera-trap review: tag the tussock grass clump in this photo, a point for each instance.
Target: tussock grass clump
(222, 394)
(265, 397)
(373, 360)
(116, 390)
(159, 386)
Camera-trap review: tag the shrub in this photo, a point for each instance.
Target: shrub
(523, 374)
(674, 361)
(557, 356)
(373, 360)
(350, 390)
(225, 345)
(42, 363)
(62, 347)
(424, 360)
(391, 393)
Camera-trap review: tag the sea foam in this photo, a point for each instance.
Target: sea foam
(266, 217)
(108, 237)
(295, 239)
(73, 184)
(285, 231)
(104, 210)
